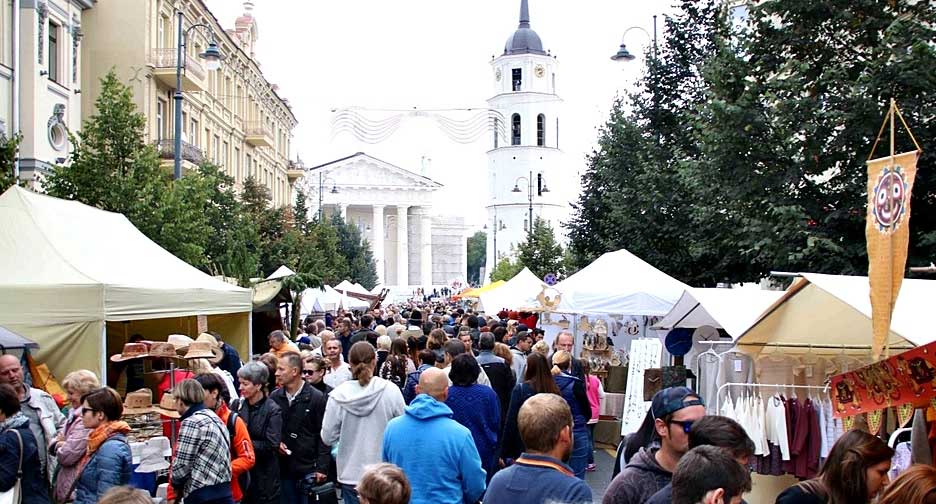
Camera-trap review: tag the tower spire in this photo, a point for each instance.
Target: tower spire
(524, 14)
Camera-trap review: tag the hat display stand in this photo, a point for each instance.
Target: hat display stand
(172, 369)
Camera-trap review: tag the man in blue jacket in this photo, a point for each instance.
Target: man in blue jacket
(437, 453)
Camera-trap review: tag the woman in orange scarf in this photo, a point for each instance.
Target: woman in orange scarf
(107, 461)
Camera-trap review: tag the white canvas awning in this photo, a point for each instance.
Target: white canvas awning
(619, 283)
(733, 310)
(67, 268)
(836, 310)
(519, 292)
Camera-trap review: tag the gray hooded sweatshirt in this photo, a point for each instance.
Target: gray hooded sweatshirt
(355, 418)
(638, 481)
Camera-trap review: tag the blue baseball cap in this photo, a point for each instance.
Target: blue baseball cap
(672, 399)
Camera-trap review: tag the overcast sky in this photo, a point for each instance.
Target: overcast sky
(436, 54)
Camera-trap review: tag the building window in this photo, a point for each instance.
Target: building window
(161, 106)
(193, 133)
(515, 129)
(541, 130)
(216, 149)
(517, 78)
(53, 59)
(496, 132)
(237, 166)
(225, 162)
(248, 166)
(526, 224)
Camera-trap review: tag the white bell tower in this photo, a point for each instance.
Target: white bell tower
(527, 154)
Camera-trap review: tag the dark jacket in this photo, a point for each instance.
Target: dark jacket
(231, 361)
(502, 381)
(638, 481)
(265, 425)
(34, 485)
(511, 444)
(573, 391)
(323, 388)
(527, 481)
(302, 427)
(108, 467)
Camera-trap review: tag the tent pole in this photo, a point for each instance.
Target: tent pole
(249, 335)
(104, 352)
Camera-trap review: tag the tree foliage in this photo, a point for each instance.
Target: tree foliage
(743, 150)
(9, 153)
(506, 268)
(477, 256)
(357, 251)
(540, 251)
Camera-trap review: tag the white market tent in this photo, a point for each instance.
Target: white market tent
(518, 292)
(328, 299)
(346, 286)
(281, 272)
(836, 310)
(619, 283)
(733, 310)
(72, 273)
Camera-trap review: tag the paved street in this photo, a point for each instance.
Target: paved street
(600, 479)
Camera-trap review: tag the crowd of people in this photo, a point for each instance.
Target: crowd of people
(421, 404)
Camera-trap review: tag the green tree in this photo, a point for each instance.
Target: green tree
(506, 268)
(540, 251)
(357, 252)
(113, 168)
(477, 255)
(9, 153)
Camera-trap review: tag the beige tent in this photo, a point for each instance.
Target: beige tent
(835, 310)
(77, 280)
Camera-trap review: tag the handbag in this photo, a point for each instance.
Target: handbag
(674, 376)
(324, 493)
(653, 382)
(15, 494)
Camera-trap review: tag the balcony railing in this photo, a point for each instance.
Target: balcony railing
(167, 57)
(190, 152)
(257, 128)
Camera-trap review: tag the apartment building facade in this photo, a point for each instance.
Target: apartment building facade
(232, 116)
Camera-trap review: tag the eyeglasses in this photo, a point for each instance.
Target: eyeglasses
(309, 372)
(88, 410)
(685, 424)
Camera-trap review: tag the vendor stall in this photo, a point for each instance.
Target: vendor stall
(72, 275)
(733, 310)
(518, 292)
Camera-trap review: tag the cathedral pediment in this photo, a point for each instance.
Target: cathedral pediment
(365, 171)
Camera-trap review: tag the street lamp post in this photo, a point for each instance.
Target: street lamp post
(321, 190)
(542, 189)
(212, 57)
(625, 55)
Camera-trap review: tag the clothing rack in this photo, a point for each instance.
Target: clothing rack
(725, 386)
(826, 346)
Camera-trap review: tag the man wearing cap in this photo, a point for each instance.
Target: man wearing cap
(45, 418)
(673, 411)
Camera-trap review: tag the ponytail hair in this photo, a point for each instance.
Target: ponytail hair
(361, 357)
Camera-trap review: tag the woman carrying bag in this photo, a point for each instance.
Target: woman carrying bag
(21, 479)
(71, 444)
(107, 461)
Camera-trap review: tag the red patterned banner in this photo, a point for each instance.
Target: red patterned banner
(907, 378)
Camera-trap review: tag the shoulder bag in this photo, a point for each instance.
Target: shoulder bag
(15, 494)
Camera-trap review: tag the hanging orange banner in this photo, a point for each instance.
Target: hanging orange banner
(907, 378)
(890, 181)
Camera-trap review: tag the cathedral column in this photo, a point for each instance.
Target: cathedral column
(425, 244)
(377, 242)
(402, 246)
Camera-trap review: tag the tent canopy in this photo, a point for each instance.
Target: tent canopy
(281, 272)
(9, 340)
(836, 310)
(733, 310)
(346, 286)
(520, 291)
(620, 283)
(68, 267)
(476, 292)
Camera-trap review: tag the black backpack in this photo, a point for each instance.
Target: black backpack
(244, 479)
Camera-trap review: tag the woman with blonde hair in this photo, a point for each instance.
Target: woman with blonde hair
(71, 443)
(916, 485)
(356, 416)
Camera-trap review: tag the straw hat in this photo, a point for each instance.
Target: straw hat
(204, 350)
(167, 405)
(131, 351)
(181, 342)
(139, 402)
(163, 349)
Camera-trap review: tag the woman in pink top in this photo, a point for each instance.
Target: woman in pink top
(595, 393)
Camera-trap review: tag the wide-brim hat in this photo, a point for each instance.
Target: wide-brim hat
(138, 402)
(131, 351)
(167, 405)
(181, 342)
(152, 456)
(204, 350)
(163, 349)
(215, 347)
